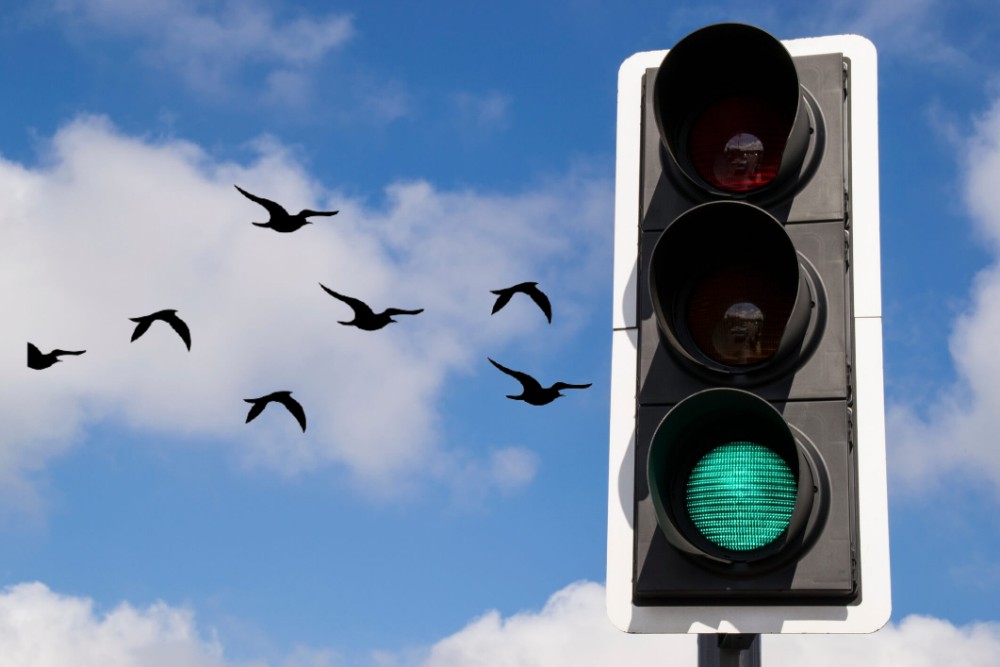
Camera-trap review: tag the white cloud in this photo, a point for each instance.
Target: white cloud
(956, 432)
(39, 628)
(572, 630)
(112, 227)
(208, 45)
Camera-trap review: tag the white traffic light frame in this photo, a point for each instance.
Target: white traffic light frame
(872, 610)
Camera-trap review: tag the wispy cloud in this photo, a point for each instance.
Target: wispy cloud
(955, 432)
(113, 227)
(489, 111)
(209, 46)
(908, 28)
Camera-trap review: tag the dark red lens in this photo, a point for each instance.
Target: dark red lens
(737, 143)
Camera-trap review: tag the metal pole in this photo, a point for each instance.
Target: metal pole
(728, 650)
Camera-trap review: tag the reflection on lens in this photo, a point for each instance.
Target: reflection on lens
(737, 314)
(737, 143)
(740, 160)
(738, 340)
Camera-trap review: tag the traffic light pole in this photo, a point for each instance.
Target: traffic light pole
(729, 650)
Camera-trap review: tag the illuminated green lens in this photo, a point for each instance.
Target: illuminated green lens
(741, 495)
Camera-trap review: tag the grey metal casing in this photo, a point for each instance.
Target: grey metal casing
(812, 399)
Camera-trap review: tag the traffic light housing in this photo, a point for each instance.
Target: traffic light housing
(747, 485)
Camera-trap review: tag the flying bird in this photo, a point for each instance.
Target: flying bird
(364, 317)
(38, 360)
(534, 393)
(283, 397)
(531, 289)
(281, 220)
(170, 317)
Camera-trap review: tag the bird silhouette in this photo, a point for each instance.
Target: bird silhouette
(364, 317)
(531, 289)
(170, 317)
(38, 360)
(534, 393)
(281, 220)
(283, 397)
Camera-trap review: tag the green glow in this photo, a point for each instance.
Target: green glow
(741, 495)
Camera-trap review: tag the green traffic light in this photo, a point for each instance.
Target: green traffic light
(741, 495)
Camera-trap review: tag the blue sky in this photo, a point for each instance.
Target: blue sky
(423, 519)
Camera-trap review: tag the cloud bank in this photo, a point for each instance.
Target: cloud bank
(41, 628)
(572, 630)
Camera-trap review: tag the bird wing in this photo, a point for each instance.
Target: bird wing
(361, 308)
(61, 352)
(399, 311)
(538, 296)
(180, 327)
(559, 386)
(142, 327)
(258, 407)
(35, 357)
(305, 213)
(529, 383)
(274, 208)
(503, 299)
(294, 407)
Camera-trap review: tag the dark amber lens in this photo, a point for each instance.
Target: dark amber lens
(737, 314)
(737, 143)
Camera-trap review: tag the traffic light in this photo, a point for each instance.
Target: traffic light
(747, 479)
